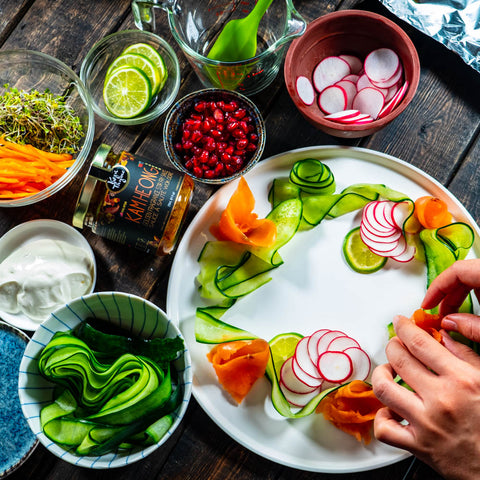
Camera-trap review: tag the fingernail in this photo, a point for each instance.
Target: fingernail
(449, 324)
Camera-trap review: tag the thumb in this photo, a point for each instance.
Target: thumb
(466, 324)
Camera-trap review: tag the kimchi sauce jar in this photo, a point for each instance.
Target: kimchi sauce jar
(126, 199)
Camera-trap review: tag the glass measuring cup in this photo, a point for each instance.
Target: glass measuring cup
(196, 24)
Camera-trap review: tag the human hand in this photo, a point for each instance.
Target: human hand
(443, 411)
(449, 290)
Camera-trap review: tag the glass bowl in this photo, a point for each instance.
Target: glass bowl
(95, 65)
(135, 316)
(30, 70)
(182, 111)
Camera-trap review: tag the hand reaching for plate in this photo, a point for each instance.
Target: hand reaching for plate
(442, 414)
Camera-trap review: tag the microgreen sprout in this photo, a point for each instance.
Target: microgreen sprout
(43, 120)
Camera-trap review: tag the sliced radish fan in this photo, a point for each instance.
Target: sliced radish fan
(322, 360)
(381, 229)
(345, 83)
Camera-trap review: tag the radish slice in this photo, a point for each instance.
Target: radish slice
(407, 255)
(397, 98)
(339, 344)
(298, 399)
(308, 380)
(400, 212)
(352, 78)
(371, 216)
(381, 250)
(329, 71)
(290, 380)
(363, 121)
(333, 99)
(391, 92)
(364, 82)
(313, 343)
(343, 116)
(360, 118)
(391, 81)
(369, 237)
(305, 90)
(361, 364)
(369, 100)
(303, 359)
(323, 343)
(381, 64)
(350, 90)
(335, 367)
(355, 63)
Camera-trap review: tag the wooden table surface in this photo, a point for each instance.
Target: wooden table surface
(438, 132)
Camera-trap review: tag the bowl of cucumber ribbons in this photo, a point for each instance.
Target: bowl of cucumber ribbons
(105, 380)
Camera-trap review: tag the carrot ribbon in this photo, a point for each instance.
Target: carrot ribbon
(239, 364)
(239, 224)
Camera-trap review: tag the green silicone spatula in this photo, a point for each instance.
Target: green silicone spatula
(238, 39)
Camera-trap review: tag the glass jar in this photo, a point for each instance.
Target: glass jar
(126, 199)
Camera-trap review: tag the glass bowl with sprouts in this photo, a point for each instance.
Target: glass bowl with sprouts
(46, 126)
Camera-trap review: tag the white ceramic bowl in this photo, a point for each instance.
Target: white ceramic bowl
(35, 230)
(137, 317)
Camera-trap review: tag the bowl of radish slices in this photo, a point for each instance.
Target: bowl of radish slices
(352, 72)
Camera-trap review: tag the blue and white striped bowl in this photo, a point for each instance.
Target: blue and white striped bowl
(137, 317)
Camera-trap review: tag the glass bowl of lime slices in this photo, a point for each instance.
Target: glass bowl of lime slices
(132, 77)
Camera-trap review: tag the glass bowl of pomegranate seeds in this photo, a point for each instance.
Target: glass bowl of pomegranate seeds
(214, 135)
(352, 72)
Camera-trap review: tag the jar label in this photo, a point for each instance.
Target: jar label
(138, 203)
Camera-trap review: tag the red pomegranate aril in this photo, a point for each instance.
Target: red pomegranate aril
(253, 137)
(206, 126)
(216, 133)
(204, 157)
(244, 126)
(189, 164)
(232, 125)
(187, 145)
(251, 147)
(226, 157)
(198, 172)
(209, 173)
(240, 113)
(239, 133)
(200, 106)
(230, 107)
(242, 144)
(210, 144)
(218, 115)
(196, 136)
(229, 150)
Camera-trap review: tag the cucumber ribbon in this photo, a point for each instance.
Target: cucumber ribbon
(102, 404)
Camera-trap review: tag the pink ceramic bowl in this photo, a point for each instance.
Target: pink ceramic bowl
(352, 32)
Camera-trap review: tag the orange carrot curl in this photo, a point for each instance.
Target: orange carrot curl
(239, 224)
(25, 170)
(430, 322)
(239, 365)
(352, 409)
(432, 212)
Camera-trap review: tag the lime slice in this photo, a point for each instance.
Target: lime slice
(283, 346)
(359, 256)
(127, 92)
(141, 62)
(152, 54)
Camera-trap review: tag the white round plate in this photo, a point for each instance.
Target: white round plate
(35, 230)
(313, 289)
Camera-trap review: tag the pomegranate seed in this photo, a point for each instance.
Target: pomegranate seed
(200, 106)
(231, 126)
(242, 144)
(251, 147)
(253, 137)
(216, 133)
(226, 157)
(239, 133)
(209, 173)
(194, 116)
(210, 144)
(187, 145)
(196, 136)
(206, 126)
(189, 164)
(204, 157)
(218, 115)
(240, 113)
(198, 172)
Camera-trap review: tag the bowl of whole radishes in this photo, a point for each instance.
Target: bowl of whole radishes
(352, 72)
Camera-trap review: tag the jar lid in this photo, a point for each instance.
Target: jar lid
(89, 185)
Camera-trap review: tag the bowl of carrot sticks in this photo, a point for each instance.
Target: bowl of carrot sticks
(46, 126)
